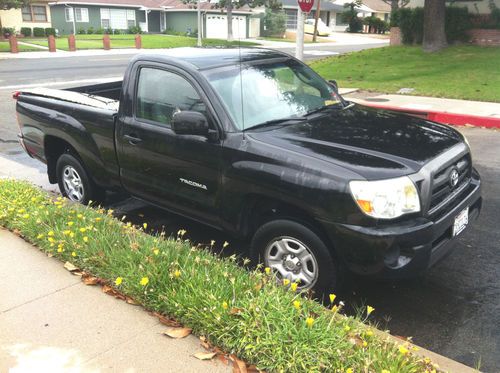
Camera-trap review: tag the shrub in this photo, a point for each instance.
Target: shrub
(411, 22)
(274, 23)
(81, 31)
(244, 312)
(117, 31)
(108, 30)
(134, 30)
(376, 24)
(350, 16)
(170, 31)
(26, 31)
(8, 31)
(99, 31)
(38, 32)
(90, 30)
(50, 31)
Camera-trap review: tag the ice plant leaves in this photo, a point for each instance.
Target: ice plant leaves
(205, 355)
(177, 333)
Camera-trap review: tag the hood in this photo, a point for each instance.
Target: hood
(376, 144)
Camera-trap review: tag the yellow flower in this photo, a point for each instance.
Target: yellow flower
(51, 233)
(267, 270)
(85, 239)
(79, 216)
(335, 308)
(73, 254)
(66, 232)
(70, 223)
(296, 304)
(226, 244)
(309, 322)
(332, 298)
(156, 251)
(26, 216)
(83, 230)
(72, 235)
(225, 305)
(415, 348)
(144, 281)
(403, 350)
(145, 225)
(51, 240)
(286, 281)
(39, 236)
(98, 219)
(177, 273)
(369, 310)
(293, 286)
(385, 371)
(347, 328)
(365, 343)
(118, 281)
(60, 249)
(369, 333)
(349, 370)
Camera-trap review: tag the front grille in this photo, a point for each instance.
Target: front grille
(442, 192)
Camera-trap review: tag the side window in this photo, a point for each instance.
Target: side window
(161, 93)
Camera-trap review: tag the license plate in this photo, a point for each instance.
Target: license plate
(461, 221)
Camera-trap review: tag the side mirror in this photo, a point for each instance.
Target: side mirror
(190, 123)
(334, 84)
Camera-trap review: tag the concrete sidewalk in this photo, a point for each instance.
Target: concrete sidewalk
(51, 322)
(443, 110)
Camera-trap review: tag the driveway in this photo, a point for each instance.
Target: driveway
(454, 310)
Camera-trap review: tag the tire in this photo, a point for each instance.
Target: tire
(74, 182)
(275, 245)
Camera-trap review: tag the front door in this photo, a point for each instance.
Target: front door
(179, 172)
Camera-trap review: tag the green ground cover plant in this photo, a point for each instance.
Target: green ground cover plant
(462, 72)
(239, 310)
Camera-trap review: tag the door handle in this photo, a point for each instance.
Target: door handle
(132, 139)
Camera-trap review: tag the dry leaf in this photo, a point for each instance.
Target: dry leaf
(205, 355)
(223, 359)
(111, 291)
(356, 340)
(204, 343)
(253, 369)
(239, 366)
(90, 280)
(258, 286)
(177, 332)
(235, 311)
(70, 267)
(130, 301)
(166, 321)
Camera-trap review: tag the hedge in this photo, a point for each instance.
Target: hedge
(241, 311)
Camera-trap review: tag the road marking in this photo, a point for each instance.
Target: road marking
(320, 53)
(50, 84)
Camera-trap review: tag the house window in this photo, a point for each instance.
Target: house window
(37, 13)
(117, 19)
(81, 14)
(68, 14)
(291, 19)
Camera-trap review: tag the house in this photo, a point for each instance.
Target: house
(36, 14)
(377, 8)
(330, 13)
(153, 16)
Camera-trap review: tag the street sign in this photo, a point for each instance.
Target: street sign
(306, 5)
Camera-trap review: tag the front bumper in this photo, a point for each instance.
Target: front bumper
(403, 249)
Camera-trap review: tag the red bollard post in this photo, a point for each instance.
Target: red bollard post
(71, 43)
(13, 44)
(138, 41)
(106, 42)
(52, 43)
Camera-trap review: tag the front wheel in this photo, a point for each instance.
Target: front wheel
(296, 253)
(74, 182)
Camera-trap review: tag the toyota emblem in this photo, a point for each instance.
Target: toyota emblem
(453, 178)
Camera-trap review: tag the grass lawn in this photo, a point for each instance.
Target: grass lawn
(127, 41)
(462, 72)
(5, 47)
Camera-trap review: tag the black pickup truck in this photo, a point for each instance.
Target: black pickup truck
(255, 143)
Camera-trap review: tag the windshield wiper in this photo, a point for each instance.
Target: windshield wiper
(323, 108)
(274, 122)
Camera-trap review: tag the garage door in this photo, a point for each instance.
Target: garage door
(217, 26)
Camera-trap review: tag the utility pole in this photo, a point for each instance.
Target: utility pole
(299, 37)
(199, 24)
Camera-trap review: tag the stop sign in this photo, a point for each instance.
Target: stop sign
(306, 5)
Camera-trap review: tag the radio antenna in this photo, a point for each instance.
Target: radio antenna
(241, 72)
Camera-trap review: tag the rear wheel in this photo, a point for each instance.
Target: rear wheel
(295, 252)
(74, 182)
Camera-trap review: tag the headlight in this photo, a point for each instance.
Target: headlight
(386, 199)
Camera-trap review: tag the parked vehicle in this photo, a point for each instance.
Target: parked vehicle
(323, 30)
(255, 143)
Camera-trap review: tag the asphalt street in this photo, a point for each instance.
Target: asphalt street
(453, 310)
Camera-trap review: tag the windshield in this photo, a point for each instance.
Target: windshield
(270, 91)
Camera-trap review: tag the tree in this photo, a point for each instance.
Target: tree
(12, 4)
(396, 4)
(229, 5)
(434, 31)
(350, 15)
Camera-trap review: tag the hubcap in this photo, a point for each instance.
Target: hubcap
(72, 184)
(291, 259)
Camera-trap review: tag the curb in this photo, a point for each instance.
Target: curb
(441, 116)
